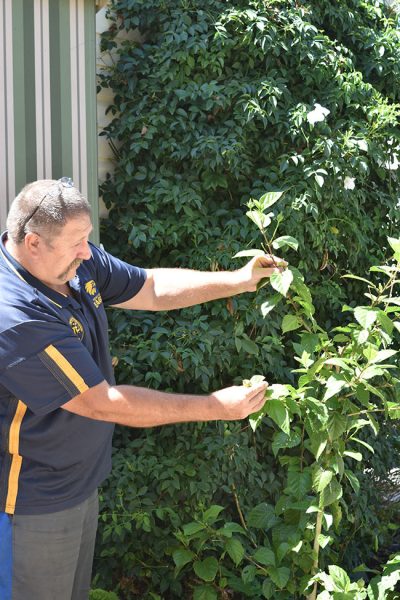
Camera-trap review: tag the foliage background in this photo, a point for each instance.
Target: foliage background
(210, 109)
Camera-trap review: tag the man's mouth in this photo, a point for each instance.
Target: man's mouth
(74, 265)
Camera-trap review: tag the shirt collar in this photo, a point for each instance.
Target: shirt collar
(13, 265)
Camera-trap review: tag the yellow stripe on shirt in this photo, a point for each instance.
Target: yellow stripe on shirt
(66, 367)
(16, 463)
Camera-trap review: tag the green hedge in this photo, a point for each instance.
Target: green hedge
(210, 109)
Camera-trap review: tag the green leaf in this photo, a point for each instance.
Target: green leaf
(351, 276)
(371, 372)
(283, 440)
(262, 516)
(337, 425)
(290, 323)
(365, 316)
(192, 528)
(355, 455)
(363, 443)
(322, 478)
(278, 390)
(268, 589)
(211, 514)
(395, 244)
(229, 528)
(338, 362)
(249, 346)
(393, 409)
(270, 304)
(324, 540)
(204, 592)
(235, 550)
(319, 179)
(258, 219)
(281, 551)
(285, 240)
(362, 395)
(206, 569)
(340, 578)
(334, 385)
(248, 253)
(353, 480)
(269, 199)
(298, 484)
(265, 556)
(281, 281)
(278, 413)
(249, 574)
(386, 323)
(383, 355)
(182, 557)
(256, 379)
(280, 576)
(331, 493)
(362, 336)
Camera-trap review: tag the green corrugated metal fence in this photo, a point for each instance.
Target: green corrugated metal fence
(47, 96)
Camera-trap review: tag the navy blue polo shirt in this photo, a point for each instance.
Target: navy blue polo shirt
(52, 348)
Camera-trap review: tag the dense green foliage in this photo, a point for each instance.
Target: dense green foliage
(212, 107)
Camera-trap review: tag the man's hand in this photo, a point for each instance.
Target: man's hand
(260, 267)
(238, 401)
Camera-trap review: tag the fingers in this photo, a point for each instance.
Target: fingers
(257, 388)
(256, 396)
(269, 260)
(237, 402)
(268, 271)
(257, 403)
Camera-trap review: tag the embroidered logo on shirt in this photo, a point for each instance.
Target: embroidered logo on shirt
(77, 327)
(91, 289)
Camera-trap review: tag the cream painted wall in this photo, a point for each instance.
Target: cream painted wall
(106, 159)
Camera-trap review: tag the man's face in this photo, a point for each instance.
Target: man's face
(60, 257)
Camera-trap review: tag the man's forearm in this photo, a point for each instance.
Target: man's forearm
(141, 407)
(179, 288)
(168, 289)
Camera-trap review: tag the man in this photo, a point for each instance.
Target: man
(58, 398)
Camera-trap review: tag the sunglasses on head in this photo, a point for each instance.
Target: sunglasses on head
(57, 190)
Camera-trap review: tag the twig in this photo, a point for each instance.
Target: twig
(318, 529)
(241, 517)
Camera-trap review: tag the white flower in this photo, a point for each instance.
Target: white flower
(349, 183)
(318, 114)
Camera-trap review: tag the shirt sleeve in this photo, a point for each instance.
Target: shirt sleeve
(47, 380)
(118, 281)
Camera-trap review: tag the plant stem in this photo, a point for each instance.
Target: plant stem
(318, 529)
(241, 517)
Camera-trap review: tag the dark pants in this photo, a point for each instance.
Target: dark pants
(52, 554)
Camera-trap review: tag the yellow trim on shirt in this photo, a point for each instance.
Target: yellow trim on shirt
(16, 463)
(66, 368)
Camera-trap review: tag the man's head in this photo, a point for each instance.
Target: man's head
(44, 207)
(48, 230)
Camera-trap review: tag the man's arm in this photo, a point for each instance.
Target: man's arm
(168, 289)
(141, 407)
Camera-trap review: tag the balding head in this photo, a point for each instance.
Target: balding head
(44, 207)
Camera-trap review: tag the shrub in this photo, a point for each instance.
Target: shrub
(215, 106)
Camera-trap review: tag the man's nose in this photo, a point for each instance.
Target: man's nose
(84, 251)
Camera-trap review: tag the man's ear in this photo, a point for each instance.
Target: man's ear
(32, 242)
